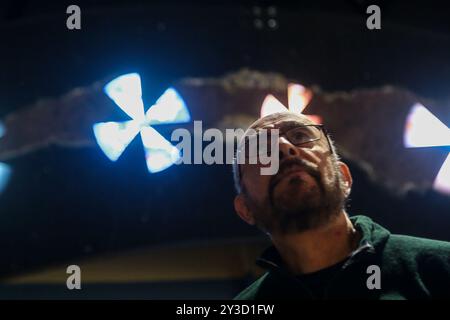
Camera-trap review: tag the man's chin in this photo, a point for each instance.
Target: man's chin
(296, 201)
(296, 176)
(296, 187)
(297, 206)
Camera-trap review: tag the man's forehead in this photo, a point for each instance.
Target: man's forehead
(280, 120)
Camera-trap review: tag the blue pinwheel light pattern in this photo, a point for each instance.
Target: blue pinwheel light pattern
(114, 137)
(5, 170)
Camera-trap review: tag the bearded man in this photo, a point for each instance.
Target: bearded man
(318, 251)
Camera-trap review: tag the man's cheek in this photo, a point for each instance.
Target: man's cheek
(262, 184)
(271, 162)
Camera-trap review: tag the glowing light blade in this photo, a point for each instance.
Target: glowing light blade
(298, 97)
(114, 137)
(442, 181)
(314, 118)
(169, 108)
(2, 129)
(423, 129)
(159, 153)
(5, 173)
(272, 105)
(126, 92)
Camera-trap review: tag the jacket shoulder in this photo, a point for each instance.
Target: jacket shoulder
(418, 255)
(419, 261)
(417, 247)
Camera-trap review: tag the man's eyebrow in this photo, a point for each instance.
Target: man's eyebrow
(284, 126)
(287, 125)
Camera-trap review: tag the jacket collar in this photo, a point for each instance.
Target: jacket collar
(373, 238)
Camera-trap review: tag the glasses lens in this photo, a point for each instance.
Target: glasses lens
(259, 144)
(255, 145)
(302, 135)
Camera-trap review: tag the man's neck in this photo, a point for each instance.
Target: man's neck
(313, 250)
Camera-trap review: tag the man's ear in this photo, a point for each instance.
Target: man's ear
(243, 210)
(346, 177)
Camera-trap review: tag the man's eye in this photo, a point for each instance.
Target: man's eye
(299, 136)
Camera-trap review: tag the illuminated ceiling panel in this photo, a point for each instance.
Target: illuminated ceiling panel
(272, 105)
(424, 129)
(126, 92)
(114, 137)
(169, 108)
(159, 153)
(442, 181)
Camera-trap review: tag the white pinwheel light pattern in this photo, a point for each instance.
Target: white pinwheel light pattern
(114, 137)
(424, 129)
(298, 99)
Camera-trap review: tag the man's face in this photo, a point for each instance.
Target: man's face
(308, 189)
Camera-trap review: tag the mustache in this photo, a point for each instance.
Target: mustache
(286, 166)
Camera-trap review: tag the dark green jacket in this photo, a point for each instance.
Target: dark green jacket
(410, 268)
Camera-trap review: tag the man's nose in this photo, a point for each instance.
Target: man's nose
(287, 149)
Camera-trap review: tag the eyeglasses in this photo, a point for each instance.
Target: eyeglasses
(260, 143)
(298, 136)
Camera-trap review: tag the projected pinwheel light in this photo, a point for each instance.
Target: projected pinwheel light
(298, 99)
(5, 170)
(424, 129)
(114, 137)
